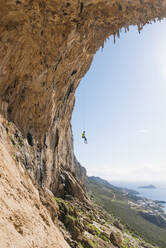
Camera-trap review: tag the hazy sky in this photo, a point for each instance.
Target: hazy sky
(121, 103)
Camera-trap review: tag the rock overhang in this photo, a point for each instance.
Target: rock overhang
(46, 47)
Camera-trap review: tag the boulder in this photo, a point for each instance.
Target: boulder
(118, 225)
(115, 239)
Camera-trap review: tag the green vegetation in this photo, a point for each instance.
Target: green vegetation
(70, 219)
(92, 243)
(20, 141)
(67, 208)
(70, 207)
(14, 137)
(80, 245)
(58, 200)
(102, 236)
(94, 230)
(116, 203)
(126, 243)
(15, 156)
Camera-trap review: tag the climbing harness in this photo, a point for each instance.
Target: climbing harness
(84, 137)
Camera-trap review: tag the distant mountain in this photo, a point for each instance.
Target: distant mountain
(147, 187)
(102, 181)
(110, 186)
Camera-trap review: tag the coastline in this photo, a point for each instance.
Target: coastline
(155, 194)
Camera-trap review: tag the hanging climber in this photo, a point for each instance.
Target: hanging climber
(84, 137)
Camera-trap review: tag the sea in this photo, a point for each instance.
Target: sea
(157, 193)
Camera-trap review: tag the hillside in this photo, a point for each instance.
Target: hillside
(129, 208)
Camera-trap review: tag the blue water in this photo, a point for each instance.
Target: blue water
(154, 194)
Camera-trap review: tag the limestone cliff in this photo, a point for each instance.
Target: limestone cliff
(46, 47)
(28, 217)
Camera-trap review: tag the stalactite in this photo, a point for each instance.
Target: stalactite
(114, 38)
(103, 45)
(140, 27)
(118, 34)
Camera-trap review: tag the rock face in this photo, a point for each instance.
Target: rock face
(46, 47)
(27, 214)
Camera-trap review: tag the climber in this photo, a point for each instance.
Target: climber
(84, 137)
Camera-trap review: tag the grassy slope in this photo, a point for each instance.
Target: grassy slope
(119, 208)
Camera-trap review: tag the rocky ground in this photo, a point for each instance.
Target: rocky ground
(89, 226)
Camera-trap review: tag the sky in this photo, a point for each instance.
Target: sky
(121, 104)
